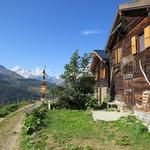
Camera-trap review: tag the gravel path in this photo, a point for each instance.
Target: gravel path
(107, 116)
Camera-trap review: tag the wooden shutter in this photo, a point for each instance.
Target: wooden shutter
(119, 55)
(96, 76)
(134, 45)
(116, 56)
(101, 73)
(147, 37)
(104, 73)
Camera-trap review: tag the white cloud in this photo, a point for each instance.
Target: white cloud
(90, 32)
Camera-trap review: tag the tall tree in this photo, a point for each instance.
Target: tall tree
(78, 81)
(86, 79)
(72, 70)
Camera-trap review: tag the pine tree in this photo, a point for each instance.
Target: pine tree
(79, 83)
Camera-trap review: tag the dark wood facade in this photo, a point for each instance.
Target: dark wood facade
(128, 46)
(100, 71)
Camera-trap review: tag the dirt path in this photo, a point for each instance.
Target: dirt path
(10, 129)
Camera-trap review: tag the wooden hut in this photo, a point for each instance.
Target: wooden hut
(128, 47)
(100, 69)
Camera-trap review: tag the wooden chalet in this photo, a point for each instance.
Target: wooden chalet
(100, 69)
(128, 47)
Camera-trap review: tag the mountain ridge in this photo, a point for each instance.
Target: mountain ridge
(5, 71)
(14, 86)
(36, 74)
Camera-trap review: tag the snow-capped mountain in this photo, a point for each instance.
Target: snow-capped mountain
(14, 86)
(36, 74)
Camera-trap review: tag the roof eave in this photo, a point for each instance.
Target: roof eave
(120, 9)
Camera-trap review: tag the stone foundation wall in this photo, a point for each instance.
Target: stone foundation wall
(143, 116)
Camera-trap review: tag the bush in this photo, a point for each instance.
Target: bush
(75, 101)
(7, 109)
(91, 102)
(3, 112)
(12, 107)
(69, 103)
(31, 124)
(34, 120)
(100, 106)
(58, 105)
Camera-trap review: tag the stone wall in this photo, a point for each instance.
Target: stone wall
(143, 116)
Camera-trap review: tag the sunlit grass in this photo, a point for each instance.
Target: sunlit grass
(76, 130)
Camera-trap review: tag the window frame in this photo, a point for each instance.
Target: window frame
(138, 42)
(141, 32)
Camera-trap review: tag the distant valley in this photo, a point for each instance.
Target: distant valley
(15, 87)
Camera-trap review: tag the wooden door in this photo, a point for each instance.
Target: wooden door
(129, 89)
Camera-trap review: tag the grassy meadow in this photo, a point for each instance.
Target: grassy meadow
(76, 130)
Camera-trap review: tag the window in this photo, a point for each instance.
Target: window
(141, 43)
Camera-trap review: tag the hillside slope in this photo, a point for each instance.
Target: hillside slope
(14, 87)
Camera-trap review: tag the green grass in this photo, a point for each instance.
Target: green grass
(76, 130)
(9, 108)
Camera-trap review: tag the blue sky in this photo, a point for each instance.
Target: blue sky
(38, 32)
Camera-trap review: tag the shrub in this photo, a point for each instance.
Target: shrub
(100, 106)
(34, 120)
(7, 109)
(31, 124)
(59, 105)
(3, 112)
(12, 107)
(91, 102)
(69, 103)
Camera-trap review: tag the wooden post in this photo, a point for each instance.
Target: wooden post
(43, 85)
(49, 104)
